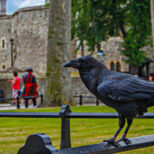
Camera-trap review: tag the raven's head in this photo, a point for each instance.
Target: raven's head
(85, 62)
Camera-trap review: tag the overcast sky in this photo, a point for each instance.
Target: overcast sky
(13, 5)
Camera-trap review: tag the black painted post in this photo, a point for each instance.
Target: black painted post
(80, 99)
(38, 144)
(65, 127)
(18, 102)
(97, 102)
(41, 99)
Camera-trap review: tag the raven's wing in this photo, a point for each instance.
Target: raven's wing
(127, 89)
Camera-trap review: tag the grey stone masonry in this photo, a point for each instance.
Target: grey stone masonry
(5, 36)
(30, 32)
(47, 1)
(3, 7)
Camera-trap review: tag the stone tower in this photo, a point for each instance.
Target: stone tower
(3, 7)
(47, 1)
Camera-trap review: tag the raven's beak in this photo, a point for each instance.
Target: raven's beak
(72, 63)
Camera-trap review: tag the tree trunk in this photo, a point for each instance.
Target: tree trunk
(152, 19)
(58, 83)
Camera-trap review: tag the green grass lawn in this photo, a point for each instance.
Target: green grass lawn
(14, 131)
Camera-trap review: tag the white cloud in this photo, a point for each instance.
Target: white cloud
(26, 3)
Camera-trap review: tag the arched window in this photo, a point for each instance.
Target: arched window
(3, 66)
(3, 43)
(112, 66)
(118, 67)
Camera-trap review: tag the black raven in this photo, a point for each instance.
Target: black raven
(128, 95)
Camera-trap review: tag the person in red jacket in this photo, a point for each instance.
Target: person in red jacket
(151, 77)
(30, 87)
(15, 86)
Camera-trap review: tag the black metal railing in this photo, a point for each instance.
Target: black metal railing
(105, 148)
(1, 95)
(81, 97)
(65, 114)
(19, 98)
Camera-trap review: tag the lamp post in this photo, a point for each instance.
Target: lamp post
(101, 56)
(11, 41)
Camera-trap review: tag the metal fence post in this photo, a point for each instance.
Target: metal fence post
(41, 101)
(80, 99)
(38, 144)
(18, 102)
(97, 102)
(65, 127)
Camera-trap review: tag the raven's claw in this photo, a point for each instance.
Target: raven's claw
(127, 141)
(112, 141)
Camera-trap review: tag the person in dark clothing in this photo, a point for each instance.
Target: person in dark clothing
(127, 94)
(30, 86)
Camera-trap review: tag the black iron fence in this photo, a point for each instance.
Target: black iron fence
(2, 99)
(65, 114)
(1, 95)
(80, 102)
(81, 99)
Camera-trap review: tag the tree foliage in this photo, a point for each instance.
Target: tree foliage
(95, 20)
(138, 32)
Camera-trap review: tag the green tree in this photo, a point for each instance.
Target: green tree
(88, 24)
(138, 31)
(152, 19)
(95, 20)
(58, 81)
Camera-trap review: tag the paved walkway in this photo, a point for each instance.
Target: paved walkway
(22, 106)
(13, 107)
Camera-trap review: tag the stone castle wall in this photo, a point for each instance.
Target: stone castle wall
(5, 36)
(30, 29)
(6, 87)
(2, 7)
(112, 53)
(150, 54)
(47, 1)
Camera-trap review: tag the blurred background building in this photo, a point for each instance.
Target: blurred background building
(23, 43)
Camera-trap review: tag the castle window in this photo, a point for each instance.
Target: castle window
(3, 66)
(112, 66)
(3, 44)
(118, 67)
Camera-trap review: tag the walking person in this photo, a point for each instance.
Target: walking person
(151, 77)
(15, 87)
(30, 87)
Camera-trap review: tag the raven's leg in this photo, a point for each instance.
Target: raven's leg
(127, 141)
(121, 125)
